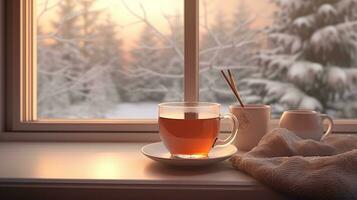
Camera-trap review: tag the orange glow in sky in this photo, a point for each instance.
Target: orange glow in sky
(129, 28)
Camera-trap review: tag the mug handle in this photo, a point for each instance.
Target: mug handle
(232, 137)
(330, 126)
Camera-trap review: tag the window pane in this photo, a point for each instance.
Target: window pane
(290, 54)
(108, 58)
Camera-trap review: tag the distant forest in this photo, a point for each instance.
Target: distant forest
(305, 59)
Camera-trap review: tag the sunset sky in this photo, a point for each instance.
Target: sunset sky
(155, 9)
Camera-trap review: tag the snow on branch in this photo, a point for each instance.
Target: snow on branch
(46, 8)
(284, 93)
(146, 21)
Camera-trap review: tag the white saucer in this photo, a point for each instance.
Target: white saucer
(158, 152)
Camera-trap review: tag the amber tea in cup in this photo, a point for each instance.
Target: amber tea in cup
(189, 136)
(190, 130)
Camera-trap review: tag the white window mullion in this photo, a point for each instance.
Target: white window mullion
(191, 80)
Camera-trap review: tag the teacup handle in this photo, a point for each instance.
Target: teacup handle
(232, 137)
(330, 126)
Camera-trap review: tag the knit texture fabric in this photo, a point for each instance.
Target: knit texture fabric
(304, 169)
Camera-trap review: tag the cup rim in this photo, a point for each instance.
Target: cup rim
(250, 106)
(301, 111)
(182, 104)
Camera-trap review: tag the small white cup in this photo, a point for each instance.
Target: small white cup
(306, 124)
(253, 124)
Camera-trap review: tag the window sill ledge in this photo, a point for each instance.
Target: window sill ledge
(82, 170)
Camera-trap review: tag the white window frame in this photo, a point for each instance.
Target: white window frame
(21, 110)
(20, 67)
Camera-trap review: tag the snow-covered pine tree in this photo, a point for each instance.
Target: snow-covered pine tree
(67, 45)
(246, 40)
(106, 60)
(78, 63)
(50, 80)
(67, 22)
(312, 56)
(243, 36)
(110, 54)
(214, 53)
(213, 42)
(226, 44)
(88, 22)
(173, 61)
(98, 86)
(57, 54)
(146, 62)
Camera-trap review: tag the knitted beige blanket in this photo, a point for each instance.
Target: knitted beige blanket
(304, 169)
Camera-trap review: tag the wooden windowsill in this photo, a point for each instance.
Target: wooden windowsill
(84, 170)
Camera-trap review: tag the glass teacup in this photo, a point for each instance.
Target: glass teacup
(190, 129)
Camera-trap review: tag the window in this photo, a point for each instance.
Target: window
(108, 59)
(103, 65)
(289, 54)
(91, 65)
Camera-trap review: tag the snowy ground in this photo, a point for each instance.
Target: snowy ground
(145, 110)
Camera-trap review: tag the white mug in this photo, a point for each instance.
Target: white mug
(306, 124)
(253, 124)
